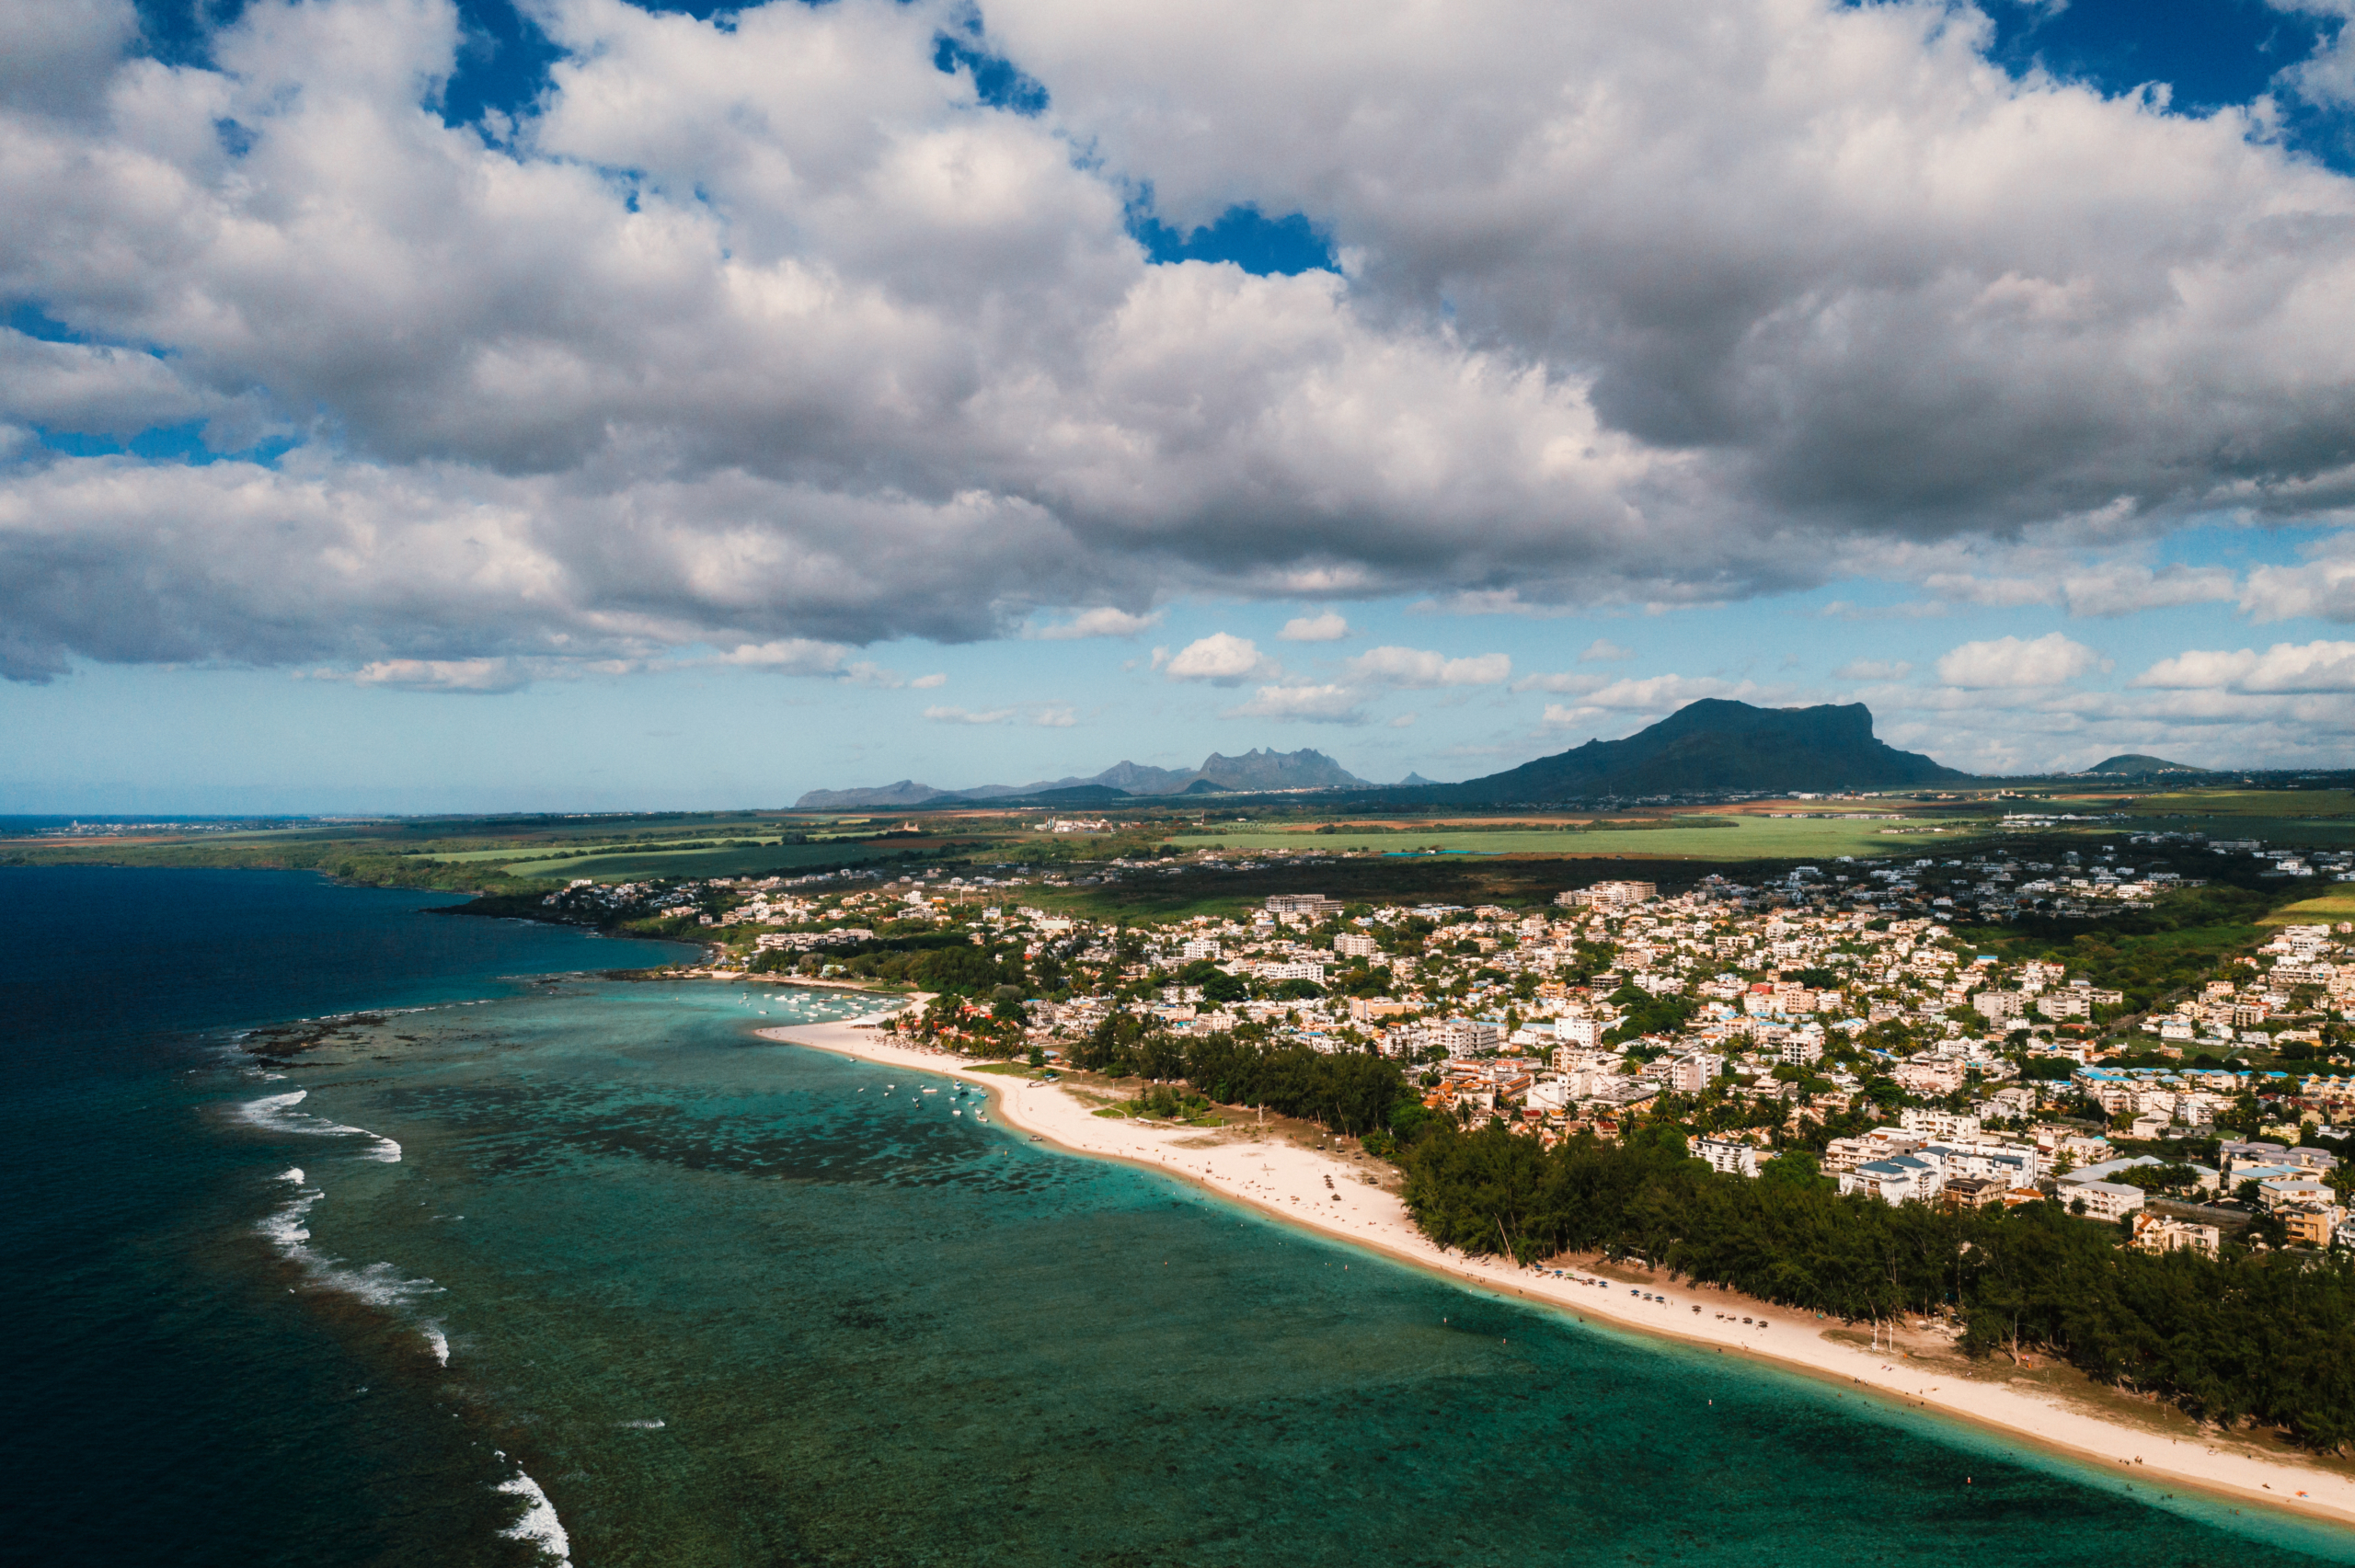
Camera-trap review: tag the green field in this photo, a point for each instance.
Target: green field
(1750, 837)
(627, 865)
(2337, 904)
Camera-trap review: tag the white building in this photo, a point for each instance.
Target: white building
(1945, 1124)
(1728, 1155)
(1691, 1073)
(1351, 944)
(1900, 1179)
(2103, 1200)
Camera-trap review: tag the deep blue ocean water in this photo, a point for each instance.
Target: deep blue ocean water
(510, 1258)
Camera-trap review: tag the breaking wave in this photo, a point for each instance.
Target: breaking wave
(277, 1113)
(539, 1524)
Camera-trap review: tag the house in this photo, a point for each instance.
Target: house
(2313, 1227)
(2102, 1200)
(1900, 1179)
(1692, 1073)
(1971, 1192)
(1937, 1124)
(1728, 1155)
(2159, 1234)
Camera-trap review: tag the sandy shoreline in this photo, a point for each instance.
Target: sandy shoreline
(1330, 1192)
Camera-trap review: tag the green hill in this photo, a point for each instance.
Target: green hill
(2133, 764)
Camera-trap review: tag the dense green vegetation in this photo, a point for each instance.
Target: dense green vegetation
(2265, 1337)
(2146, 953)
(1351, 1092)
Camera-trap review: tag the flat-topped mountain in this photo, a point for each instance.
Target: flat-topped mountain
(1254, 771)
(1717, 745)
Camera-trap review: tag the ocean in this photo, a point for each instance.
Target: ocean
(521, 1265)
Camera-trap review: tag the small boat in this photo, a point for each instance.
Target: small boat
(979, 1116)
(955, 1113)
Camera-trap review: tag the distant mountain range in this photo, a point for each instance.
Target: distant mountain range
(1253, 773)
(1714, 745)
(2133, 764)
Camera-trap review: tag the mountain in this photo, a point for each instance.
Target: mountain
(1416, 780)
(1254, 770)
(1715, 745)
(1257, 770)
(907, 792)
(2134, 764)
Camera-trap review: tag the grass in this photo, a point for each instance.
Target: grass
(1748, 837)
(2338, 904)
(625, 865)
(2298, 802)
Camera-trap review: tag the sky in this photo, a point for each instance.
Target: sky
(573, 405)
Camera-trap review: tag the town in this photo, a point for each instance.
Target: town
(1828, 1015)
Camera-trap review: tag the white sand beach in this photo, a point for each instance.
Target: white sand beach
(1329, 1191)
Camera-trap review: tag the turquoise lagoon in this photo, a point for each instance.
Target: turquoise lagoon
(645, 1289)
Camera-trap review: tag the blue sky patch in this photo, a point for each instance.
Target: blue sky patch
(1262, 245)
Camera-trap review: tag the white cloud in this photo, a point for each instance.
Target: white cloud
(969, 715)
(1055, 716)
(764, 330)
(1313, 705)
(2323, 586)
(2011, 663)
(790, 656)
(1104, 622)
(2285, 669)
(1664, 694)
(482, 676)
(1873, 669)
(1417, 669)
(1221, 658)
(929, 682)
(1403, 721)
(1329, 626)
(1603, 650)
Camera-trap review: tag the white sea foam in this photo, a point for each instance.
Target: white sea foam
(277, 1113)
(288, 1229)
(439, 1342)
(640, 1426)
(539, 1524)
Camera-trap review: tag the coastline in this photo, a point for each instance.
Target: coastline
(1331, 1194)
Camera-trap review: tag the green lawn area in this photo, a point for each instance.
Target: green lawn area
(2303, 803)
(1750, 837)
(2337, 904)
(623, 865)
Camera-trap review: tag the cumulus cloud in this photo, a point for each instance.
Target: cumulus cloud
(2013, 663)
(1221, 658)
(1419, 669)
(762, 328)
(2322, 586)
(1653, 696)
(1603, 650)
(1104, 622)
(1329, 626)
(472, 675)
(2285, 669)
(1306, 704)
